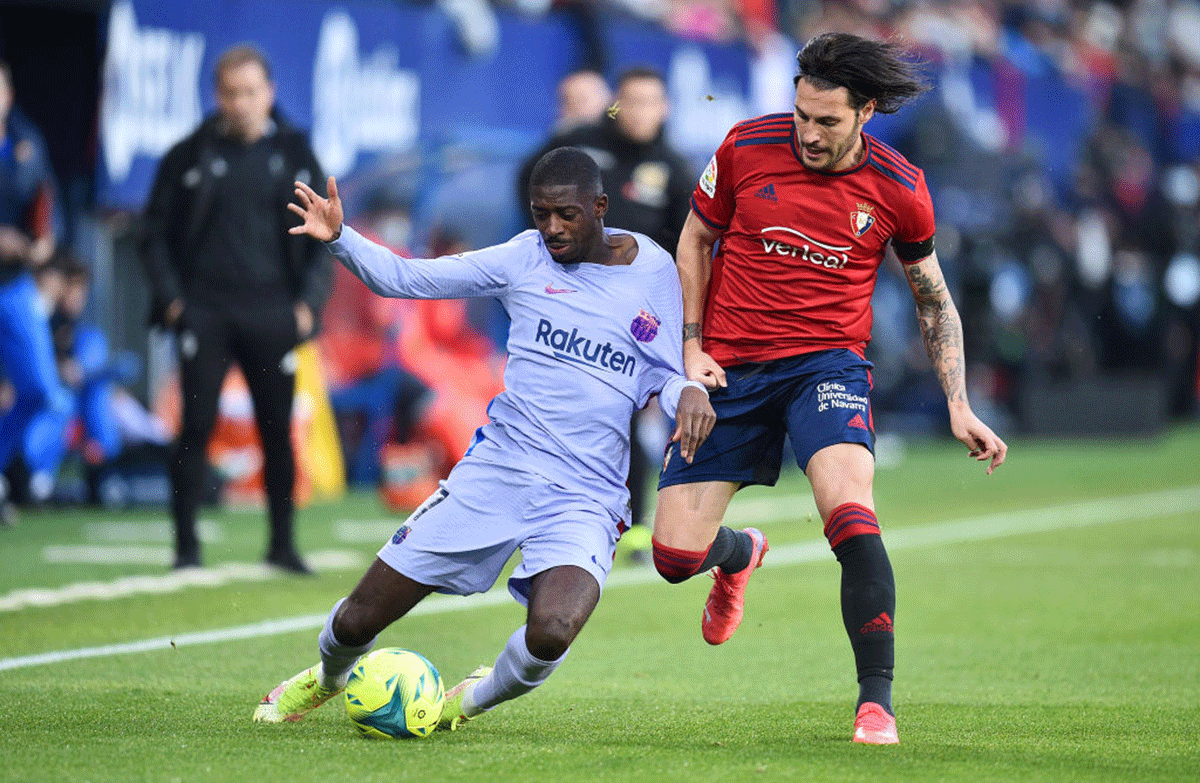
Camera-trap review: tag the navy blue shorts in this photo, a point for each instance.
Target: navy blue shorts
(816, 399)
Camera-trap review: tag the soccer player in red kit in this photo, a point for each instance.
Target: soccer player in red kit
(802, 208)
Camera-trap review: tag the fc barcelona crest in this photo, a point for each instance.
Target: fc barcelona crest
(861, 219)
(645, 326)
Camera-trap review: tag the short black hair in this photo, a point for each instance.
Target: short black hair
(567, 166)
(869, 70)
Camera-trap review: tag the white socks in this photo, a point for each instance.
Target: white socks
(516, 673)
(337, 659)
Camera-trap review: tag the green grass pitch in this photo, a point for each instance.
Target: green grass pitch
(1048, 629)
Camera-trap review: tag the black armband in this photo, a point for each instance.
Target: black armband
(913, 251)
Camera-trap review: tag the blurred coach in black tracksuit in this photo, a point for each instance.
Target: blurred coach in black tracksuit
(231, 283)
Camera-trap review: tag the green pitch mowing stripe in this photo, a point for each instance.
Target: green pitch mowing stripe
(1128, 508)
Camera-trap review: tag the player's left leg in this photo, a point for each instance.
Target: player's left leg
(745, 447)
(568, 541)
(561, 599)
(831, 429)
(841, 476)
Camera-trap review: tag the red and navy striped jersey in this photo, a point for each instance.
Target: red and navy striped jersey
(799, 249)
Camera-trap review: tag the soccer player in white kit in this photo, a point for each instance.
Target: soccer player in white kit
(596, 331)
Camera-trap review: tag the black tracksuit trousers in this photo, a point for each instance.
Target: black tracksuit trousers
(260, 339)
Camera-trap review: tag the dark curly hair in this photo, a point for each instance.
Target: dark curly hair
(869, 70)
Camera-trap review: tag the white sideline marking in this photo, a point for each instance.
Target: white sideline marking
(435, 604)
(158, 531)
(223, 574)
(756, 511)
(1128, 508)
(99, 554)
(366, 531)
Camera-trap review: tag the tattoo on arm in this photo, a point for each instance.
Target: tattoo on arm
(691, 332)
(941, 329)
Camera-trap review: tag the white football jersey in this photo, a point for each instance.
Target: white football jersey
(588, 345)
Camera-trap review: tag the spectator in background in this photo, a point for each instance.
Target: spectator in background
(463, 369)
(648, 183)
(231, 283)
(27, 239)
(44, 440)
(583, 96)
(376, 401)
(88, 367)
(649, 187)
(87, 371)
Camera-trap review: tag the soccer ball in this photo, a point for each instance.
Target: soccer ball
(394, 693)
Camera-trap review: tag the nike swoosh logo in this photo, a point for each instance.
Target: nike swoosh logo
(551, 290)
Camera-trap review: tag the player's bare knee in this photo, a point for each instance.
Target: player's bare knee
(353, 625)
(549, 636)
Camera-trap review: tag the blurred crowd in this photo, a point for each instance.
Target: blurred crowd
(1060, 141)
(1061, 147)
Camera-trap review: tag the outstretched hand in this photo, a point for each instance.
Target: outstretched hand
(322, 216)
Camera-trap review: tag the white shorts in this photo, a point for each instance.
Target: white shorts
(461, 537)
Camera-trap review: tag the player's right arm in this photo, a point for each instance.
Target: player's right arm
(693, 262)
(477, 273)
(714, 201)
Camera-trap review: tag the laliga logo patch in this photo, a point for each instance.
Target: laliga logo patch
(861, 219)
(708, 180)
(401, 534)
(644, 327)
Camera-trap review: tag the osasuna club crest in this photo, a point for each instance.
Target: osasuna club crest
(861, 219)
